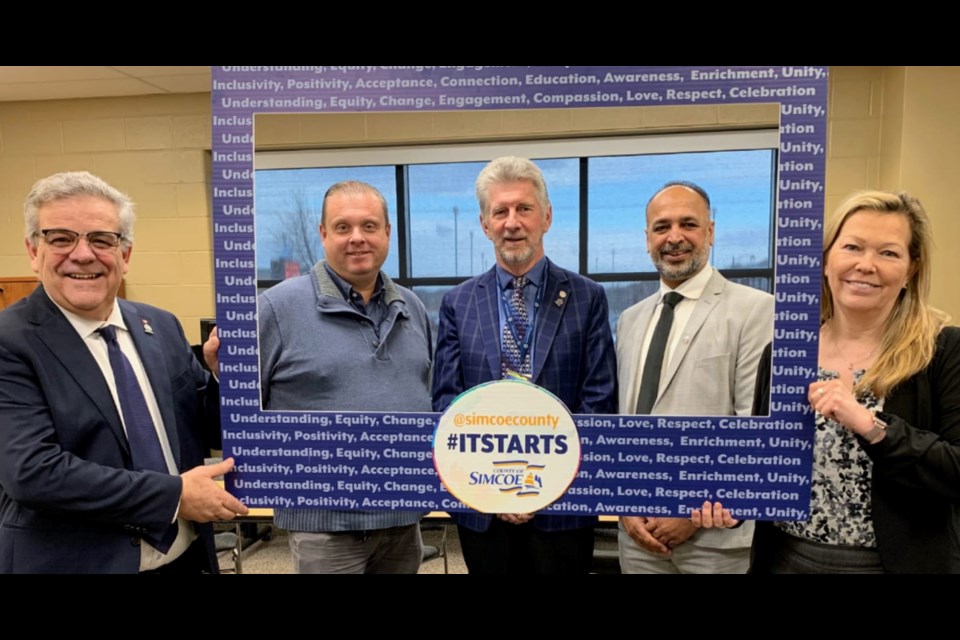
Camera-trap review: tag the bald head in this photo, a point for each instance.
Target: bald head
(679, 232)
(692, 186)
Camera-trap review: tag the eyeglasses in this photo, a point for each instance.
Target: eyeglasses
(63, 241)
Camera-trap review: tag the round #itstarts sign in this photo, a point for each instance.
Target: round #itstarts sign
(506, 447)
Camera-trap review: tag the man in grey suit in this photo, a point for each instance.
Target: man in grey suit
(706, 362)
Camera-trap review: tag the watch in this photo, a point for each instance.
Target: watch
(876, 434)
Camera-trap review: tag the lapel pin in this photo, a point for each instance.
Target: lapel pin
(146, 326)
(561, 298)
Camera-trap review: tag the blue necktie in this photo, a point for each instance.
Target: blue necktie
(145, 447)
(510, 345)
(650, 380)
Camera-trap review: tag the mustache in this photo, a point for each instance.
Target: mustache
(676, 246)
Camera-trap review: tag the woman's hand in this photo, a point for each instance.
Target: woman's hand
(833, 400)
(712, 516)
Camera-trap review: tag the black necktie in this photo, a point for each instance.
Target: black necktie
(650, 382)
(145, 449)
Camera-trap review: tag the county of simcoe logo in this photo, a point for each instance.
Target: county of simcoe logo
(506, 447)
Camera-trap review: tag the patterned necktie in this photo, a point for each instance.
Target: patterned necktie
(145, 449)
(652, 367)
(510, 358)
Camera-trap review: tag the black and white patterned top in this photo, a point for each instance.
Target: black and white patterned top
(840, 508)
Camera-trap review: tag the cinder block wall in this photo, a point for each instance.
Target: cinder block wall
(156, 148)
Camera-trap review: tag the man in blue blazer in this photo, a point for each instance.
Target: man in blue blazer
(100, 471)
(558, 337)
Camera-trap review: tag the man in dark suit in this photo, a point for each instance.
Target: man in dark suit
(105, 415)
(527, 317)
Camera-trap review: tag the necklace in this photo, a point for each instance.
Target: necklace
(850, 363)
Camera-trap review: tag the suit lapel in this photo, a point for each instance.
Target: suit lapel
(151, 355)
(55, 331)
(705, 306)
(556, 298)
(488, 314)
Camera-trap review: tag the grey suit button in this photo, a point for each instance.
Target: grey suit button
(376, 344)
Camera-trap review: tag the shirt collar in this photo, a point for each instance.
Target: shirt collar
(692, 288)
(534, 275)
(346, 289)
(85, 326)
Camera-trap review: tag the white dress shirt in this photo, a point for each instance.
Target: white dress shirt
(691, 290)
(150, 558)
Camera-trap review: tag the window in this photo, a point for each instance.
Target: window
(598, 189)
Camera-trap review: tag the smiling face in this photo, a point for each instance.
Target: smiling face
(82, 281)
(515, 222)
(679, 234)
(355, 236)
(869, 263)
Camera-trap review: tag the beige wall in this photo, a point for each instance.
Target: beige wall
(930, 166)
(888, 127)
(896, 128)
(156, 149)
(854, 118)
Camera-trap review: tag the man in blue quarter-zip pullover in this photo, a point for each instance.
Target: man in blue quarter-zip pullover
(344, 337)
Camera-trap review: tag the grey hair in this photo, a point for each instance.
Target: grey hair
(73, 184)
(354, 187)
(511, 169)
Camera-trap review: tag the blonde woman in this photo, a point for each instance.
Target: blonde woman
(886, 470)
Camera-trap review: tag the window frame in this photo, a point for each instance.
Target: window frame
(582, 149)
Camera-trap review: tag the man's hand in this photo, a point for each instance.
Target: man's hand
(636, 528)
(211, 351)
(670, 531)
(712, 516)
(203, 500)
(515, 518)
